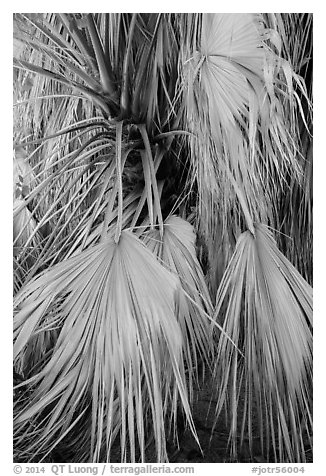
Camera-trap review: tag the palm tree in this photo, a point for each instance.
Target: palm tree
(162, 225)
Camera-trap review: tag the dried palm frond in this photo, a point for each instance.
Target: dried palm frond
(243, 143)
(267, 310)
(294, 219)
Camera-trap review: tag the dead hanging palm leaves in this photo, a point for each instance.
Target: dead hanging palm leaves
(268, 311)
(233, 102)
(118, 345)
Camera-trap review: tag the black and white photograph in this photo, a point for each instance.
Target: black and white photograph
(162, 240)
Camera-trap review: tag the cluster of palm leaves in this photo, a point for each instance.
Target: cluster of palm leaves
(162, 226)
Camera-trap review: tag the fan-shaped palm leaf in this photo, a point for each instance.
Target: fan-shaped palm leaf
(268, 312)
(118, 343)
